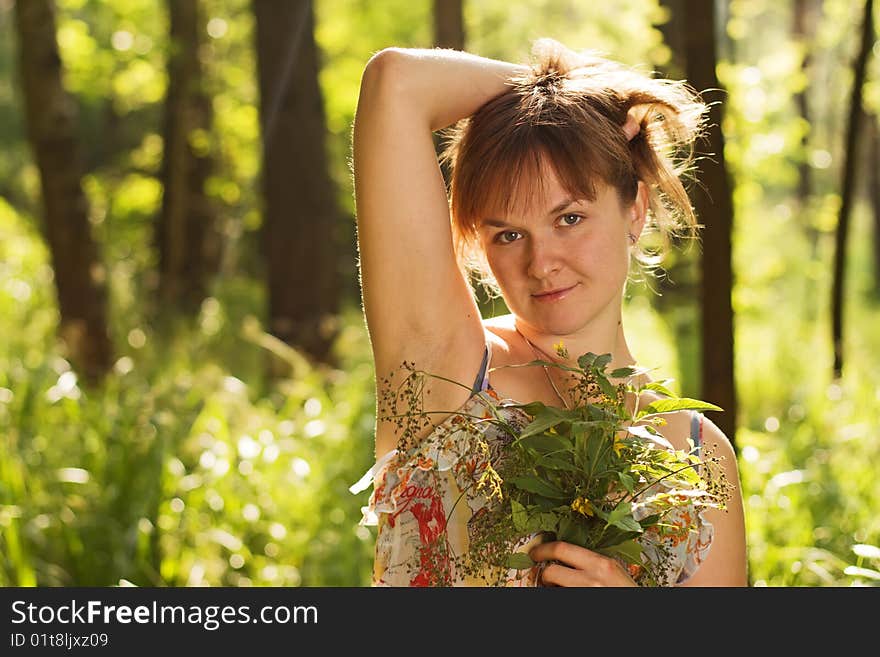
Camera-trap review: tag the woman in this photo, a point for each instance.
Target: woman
(557, 170)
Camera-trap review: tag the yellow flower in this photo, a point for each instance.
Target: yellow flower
(618, 444)
(582, 506)
(491, 480)
(560, 349)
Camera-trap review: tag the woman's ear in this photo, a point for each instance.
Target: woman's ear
(639, 210)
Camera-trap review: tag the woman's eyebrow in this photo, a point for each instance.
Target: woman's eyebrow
(492, 222)
(561, 206)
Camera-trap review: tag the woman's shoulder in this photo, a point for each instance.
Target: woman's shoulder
(501, 326)
(501, 337)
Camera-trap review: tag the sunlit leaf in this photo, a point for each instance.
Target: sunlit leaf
(677, 404)
(519, 561)
(539, 486)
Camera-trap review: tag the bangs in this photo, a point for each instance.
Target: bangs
(564, 119)
(511, 178)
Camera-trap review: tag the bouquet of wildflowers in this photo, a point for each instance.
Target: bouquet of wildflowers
(599, 475)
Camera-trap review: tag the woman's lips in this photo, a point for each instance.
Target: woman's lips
(554, 295)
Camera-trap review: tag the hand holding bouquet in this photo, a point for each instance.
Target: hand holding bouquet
(599, 475)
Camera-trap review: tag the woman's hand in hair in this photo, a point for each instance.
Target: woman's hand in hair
(632, 127)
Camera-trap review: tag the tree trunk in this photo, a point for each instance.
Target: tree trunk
(186, 236)
(677, 283)
(51, 123)
(714, 206)
(848, 186)
(673, 31)
(874, 191)
(301, 216)
(449, 24)
(803, 34)
(448, 33)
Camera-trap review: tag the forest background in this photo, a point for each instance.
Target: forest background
(186, 390)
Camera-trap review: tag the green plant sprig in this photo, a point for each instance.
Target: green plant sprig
(581, 475)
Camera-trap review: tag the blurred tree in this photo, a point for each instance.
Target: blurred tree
(13, 145)
(50, 117)
(873, 169)
(449, 24)
(803, 30)
(677, 283)
(672, 29)
(300, 208)
(186, 237)
(448, 33)
(714, 206)
(848, 184)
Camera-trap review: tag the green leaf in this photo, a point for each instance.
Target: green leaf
(630, 551)
(587, 360)
(613, 536)
(520, 518)
(544, 443)
(592, 447)
(627, 524)
(545, 503)
(622, 372)
(647, 521)
(555, 463)
(606, 387)
(659, 386)
(628, 483)
(547, 521)
(533, 408)
(599, 414)
(572, 530)
(539, 486)
(519, 560)
(582, 426)
(676, 404)
(547, 418)
(621, 517)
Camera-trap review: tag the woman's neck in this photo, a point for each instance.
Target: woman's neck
(598, 339)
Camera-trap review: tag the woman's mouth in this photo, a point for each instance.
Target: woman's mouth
(553, 295)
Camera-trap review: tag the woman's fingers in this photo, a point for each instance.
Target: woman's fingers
(632, 127)
(566, 553)
(573, 565)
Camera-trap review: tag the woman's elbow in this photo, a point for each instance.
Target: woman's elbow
(385, 71)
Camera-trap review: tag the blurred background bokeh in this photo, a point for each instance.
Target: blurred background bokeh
(186, 387)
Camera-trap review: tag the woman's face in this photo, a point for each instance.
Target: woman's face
(561, 265)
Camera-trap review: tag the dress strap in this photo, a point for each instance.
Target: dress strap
(697, 431)
(482, 381)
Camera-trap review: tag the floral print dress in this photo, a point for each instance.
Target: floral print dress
(424, 500)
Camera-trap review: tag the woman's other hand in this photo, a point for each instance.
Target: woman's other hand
(572, 565)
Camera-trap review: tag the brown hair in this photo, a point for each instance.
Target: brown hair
(568, 111)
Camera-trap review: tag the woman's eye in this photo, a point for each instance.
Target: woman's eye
(507, 237)
(571, 219)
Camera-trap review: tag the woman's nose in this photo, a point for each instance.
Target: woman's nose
(544, 259)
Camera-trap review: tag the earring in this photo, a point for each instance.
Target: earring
(632, 238)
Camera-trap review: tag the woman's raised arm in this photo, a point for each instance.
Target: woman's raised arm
(418, 305)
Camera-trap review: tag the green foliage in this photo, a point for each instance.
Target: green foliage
(598, 474)
(127, 480)
(179, 469)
